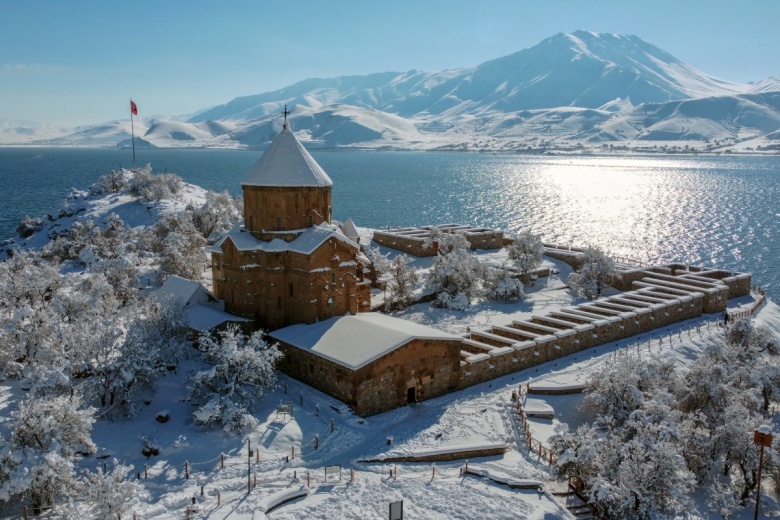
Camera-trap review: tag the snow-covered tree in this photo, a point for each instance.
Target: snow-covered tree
(88, 241)
(654, 421)
(111, 182)
(152, 187)
(501, 285)
(217, 215)
(526, 252)
(109, 495)
(242, 370)
(28, 226)
(456, 274)
(28, 321)
(399, 278)
(179, 245)
(122, 274)
(45, 436)
(597, 272)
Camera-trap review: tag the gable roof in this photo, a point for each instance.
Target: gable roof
(187, 291)
(350, 231)
(203, 317)
(355, 341)
(286, 163)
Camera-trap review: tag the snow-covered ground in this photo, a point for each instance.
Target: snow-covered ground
(474, 418)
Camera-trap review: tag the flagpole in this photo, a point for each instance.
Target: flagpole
(132, 129)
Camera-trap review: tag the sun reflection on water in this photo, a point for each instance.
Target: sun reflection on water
(719, 211)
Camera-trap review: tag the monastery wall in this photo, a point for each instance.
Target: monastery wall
(411, 240)
(501, 351)
(318, 372)
(430, 367)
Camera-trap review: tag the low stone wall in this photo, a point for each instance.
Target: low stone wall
(409, 245)
(564, 390)
(414, 244)
(463, 453)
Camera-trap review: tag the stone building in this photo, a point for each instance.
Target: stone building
(372, 362)
(287, 263)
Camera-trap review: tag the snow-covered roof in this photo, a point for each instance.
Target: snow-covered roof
(355, 341)
(204, 317)
(286, 163)
(349, 230)
(310, 239)
(187, 291)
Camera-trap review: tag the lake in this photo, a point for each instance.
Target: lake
(716, 210)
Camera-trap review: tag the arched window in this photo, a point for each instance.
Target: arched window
(278, 223)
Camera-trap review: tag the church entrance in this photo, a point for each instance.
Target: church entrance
(411, 395)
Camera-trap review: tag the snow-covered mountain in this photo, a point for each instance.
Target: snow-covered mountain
(582, 69)
(570, 88)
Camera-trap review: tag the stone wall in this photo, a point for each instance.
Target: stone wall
(272, 208)
(280, 288)
(410, 241)
(508, 355)
(445, 456)
(409, 245)
(430, 367)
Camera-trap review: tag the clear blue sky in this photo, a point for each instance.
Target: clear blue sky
(78, 62)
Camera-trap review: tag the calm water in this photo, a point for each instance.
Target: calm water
(722, 211)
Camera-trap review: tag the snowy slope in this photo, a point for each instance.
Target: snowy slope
(16, 132)
(581, 69)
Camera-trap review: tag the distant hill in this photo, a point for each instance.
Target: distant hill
(571, 90)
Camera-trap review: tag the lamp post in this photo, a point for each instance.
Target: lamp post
(763, 437)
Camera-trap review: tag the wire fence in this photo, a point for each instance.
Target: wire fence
(759, 294)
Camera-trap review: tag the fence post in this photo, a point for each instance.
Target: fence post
(308, 479)
(316, 442)
(433, 471)
(221, 461)
(332, 422)
(351, 474)
(257, 455)
(254, 482)
(24, 512)
(293, 453)
(186, 469)
(218, 498)
(146, 475)
(395, 473)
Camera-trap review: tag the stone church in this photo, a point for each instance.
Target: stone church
(287, 263)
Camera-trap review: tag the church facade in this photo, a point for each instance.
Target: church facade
(287, 263)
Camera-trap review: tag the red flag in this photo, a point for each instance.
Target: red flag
(133, 108)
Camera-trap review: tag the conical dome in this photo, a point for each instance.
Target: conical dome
(286, 163)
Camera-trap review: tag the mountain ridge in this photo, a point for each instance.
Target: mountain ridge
(622, 88)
